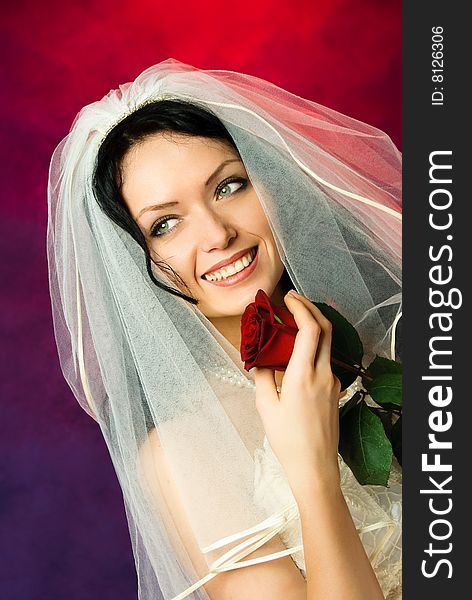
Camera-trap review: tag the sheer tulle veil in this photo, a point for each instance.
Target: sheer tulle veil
(139, 359)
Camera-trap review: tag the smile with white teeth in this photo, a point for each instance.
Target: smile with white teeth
(233, 268)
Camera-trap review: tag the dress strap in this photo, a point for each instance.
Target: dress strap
(259, 535)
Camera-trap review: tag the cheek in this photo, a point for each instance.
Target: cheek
(255, 216)
(262, 228)
(261, 224)
(171, 259)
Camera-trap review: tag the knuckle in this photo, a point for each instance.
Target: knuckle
(313, 328)
(331, 383)
(336, 384)
(328, 325)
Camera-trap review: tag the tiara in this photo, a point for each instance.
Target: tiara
(150, 100)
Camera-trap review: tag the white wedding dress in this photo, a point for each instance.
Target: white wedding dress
(376, 511)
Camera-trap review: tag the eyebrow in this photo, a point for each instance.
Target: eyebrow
(215, 174)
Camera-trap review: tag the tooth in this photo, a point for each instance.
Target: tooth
(239, 265)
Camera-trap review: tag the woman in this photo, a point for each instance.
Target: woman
(172, 201)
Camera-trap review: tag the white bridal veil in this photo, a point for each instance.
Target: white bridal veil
(142, 361)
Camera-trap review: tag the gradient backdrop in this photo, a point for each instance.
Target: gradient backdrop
(63, 530)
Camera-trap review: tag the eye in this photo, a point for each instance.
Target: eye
(226, 187)
(161, 227)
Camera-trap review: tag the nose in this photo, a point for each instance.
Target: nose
(216, 232)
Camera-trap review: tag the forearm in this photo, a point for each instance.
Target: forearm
(336, 563)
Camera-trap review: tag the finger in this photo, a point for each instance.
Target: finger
(266, 388)
(323, 359)
(308, 335)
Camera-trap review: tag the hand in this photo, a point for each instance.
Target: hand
(302, 422)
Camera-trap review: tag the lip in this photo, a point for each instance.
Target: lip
(237, 277)
(229, 261)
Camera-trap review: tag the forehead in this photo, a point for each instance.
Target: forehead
(167, 166)
(163, 151)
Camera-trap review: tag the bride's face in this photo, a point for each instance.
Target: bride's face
(193, 201)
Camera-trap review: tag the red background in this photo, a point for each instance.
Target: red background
(63, 523)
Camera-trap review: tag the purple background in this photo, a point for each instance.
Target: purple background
(63, 530)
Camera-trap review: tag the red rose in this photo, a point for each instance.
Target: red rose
(267, 334)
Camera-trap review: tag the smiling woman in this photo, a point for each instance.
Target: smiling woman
(173, 200)
(214, 223)
(216, 216)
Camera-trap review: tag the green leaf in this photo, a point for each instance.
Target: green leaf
(386, 390)
(381, 365)
(396, 439)
(364, 446)
(386, 417)
(346, 345)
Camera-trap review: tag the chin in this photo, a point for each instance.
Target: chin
(236, 309)
(235, 301)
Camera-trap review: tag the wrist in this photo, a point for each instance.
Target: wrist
(307, 482)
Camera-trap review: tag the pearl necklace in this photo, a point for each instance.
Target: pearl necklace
(234, 378)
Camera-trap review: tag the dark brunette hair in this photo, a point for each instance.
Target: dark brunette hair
(173, 116)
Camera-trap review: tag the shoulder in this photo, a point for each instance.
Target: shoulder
(278, 579)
